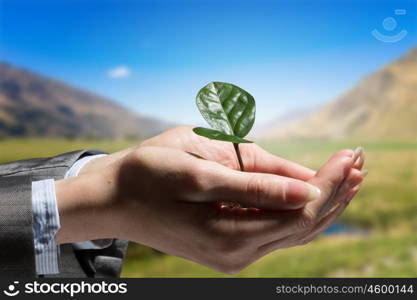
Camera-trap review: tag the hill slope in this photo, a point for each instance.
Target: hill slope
(383, 105)
(32, 105)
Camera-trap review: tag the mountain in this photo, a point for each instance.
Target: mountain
(382, 105)
(32, 105)
(270, 128)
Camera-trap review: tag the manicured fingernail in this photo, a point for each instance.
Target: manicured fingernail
(358, 153)
(356, 188)
(314, 192)
(359, 161)
(364, 173)
(301, 192)
(352, 193)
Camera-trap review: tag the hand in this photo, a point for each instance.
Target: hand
(183, 138)
(169, 200)
(255, 159)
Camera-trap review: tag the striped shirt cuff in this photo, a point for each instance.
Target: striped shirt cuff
(45, 226)
(46, 222)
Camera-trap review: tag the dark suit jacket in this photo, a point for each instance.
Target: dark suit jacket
(17, 258)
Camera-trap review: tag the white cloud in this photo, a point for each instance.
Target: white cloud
(119, 72)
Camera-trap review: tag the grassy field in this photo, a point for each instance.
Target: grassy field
(386, 207)
(15, 149)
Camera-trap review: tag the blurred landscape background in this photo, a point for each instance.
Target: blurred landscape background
(72, 79)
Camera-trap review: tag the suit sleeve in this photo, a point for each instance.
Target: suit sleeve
(17, 257)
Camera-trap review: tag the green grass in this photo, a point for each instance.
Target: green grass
(386, 206)
(16, 149)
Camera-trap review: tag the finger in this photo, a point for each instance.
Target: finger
(305, 237)
(328, 180)
(285, 242)
(360, 160)
(270, 225)
(354, 178)
(260, 227)
(267, 232)
(261, 161)
(325, 222)
(257, 226)
(263, 191)
(331, 217)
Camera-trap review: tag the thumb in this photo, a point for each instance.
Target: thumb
(263, 191)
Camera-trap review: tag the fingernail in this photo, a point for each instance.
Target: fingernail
(360, 160)
(358, 153)
(356, 188)
(364, 173)
(314, 192)
(301, 192)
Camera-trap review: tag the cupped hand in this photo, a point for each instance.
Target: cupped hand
(170, 200)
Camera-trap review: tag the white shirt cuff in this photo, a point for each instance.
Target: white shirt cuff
(79, 164)
(46, 222)
(45, 226)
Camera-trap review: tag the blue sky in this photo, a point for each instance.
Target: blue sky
(153, 56)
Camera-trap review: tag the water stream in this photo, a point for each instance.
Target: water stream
(341, 228)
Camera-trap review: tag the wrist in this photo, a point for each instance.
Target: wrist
(86, 208)
(101, 163)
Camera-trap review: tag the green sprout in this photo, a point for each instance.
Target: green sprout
(229, 110)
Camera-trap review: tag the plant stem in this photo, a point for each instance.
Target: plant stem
(239, 157)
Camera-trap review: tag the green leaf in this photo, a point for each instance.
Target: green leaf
(227, 108)
(220, 136)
